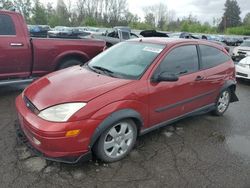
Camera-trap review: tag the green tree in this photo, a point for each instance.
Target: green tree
(185, 26)
(231, 16)
(39, 14)
(51, 15)
(6, 4)
(246, 20)
(150, 19)
(63, 16)
(24, 7)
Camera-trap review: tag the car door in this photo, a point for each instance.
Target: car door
(217, 65)
(169, 100)
(15, 56)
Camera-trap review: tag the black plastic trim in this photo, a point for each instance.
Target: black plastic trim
(199, 111)
(113, 118)
(30, 105)
(68, 160)
(168, 107)
(16, 81)
(228, 84)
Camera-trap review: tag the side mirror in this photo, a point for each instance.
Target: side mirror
(165, 77)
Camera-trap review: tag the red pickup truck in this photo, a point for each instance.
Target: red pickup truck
(23, 58)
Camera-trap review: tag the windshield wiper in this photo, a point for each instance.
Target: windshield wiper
(104, 70)
(91, 68)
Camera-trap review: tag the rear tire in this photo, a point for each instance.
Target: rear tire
(116, 142)
(70, 63)
(222, 102)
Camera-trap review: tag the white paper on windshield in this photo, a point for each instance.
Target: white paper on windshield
(152, 49)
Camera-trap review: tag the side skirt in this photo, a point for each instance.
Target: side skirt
(16, 81)
(199, 111)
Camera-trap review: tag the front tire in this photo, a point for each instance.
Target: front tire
(117, 141)
(223, 102)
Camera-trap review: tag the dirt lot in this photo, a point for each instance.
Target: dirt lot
(203, 151)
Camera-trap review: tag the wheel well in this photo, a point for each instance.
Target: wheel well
(70, 57)
(232, 88)
(137, 122)
(234, 97)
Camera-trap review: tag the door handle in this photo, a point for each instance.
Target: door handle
(199, 78)
(16, 44)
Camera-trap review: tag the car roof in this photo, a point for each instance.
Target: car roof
(167, 41)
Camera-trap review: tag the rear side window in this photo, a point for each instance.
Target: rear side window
(212, 57)
(6, 25)
(125, 35)
(181, 60)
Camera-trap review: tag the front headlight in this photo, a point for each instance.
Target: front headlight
(61, 112)
(242, 65)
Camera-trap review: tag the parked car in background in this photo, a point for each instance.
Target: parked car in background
(68, 32)
(90, 30)
(128, 90)
(40, 31)
(59, 32)
(118, 34)
(243, 68)
(153, 33)
(241, 51)
(222, 44)
(23, 58)
(232, 40)
(183, 35)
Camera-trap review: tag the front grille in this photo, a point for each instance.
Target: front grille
(241, 74)
(30, 105)
(242, 53)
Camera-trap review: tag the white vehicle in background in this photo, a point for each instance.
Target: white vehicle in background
(241, 51)
(243, 68)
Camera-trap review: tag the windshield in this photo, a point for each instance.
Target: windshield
(127, 60)
(245, 44)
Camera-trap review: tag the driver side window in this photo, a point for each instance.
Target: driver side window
(181, 60)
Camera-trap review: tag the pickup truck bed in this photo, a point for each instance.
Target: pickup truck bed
(22, 57)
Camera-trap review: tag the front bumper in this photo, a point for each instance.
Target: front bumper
(242, 72)
(69, 160)
(49, 140)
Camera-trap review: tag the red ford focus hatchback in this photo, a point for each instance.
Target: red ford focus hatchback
(128, 90)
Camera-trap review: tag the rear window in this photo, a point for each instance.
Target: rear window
(6, 25)
(212, 57)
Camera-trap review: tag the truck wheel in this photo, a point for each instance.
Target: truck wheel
(69, 63)
(116, 142)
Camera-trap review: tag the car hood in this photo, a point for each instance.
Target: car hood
(245, 61)
(75, 84)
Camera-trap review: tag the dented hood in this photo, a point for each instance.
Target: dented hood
(75, 84)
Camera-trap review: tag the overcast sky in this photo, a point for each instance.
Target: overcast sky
(205, 10)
